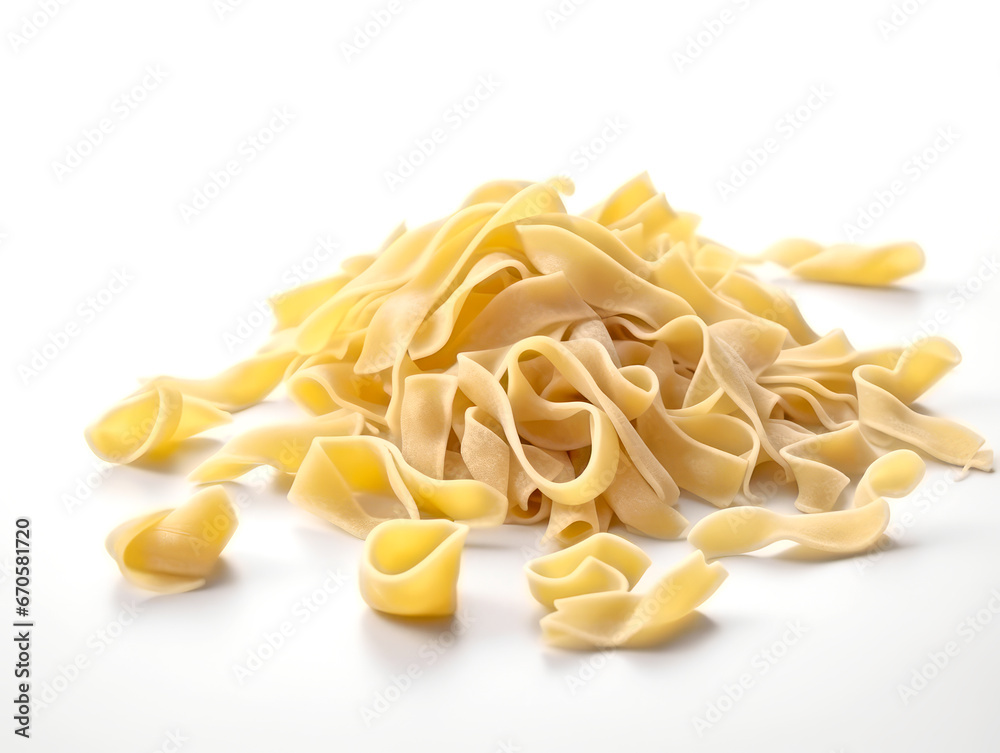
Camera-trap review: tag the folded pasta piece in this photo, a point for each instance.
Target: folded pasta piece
(627, 619)
(358, 482)
(846, 263)
(239, 386)
(171, 551)
(410, 567)
(516, 363)
(603, 562)
(281, 446)
(154, 421)
(744, 529)
(883, 406)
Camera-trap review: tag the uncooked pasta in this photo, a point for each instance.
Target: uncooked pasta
(513, 363)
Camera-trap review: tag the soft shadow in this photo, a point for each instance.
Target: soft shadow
(681, 635)
(802, 553)
(222, 576)
(179, 457)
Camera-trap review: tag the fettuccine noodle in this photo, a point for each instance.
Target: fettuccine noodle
(515, 363)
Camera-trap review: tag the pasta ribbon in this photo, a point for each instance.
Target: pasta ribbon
(611, 619)
(152, 421)
(358, 482)
(745, 529)
(410, 567)
(846, 263)
(172, 551)
(602, 562)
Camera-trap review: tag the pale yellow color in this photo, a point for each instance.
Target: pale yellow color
(358, 482)
(171, 551)
(745, 529)
(152, 421)
(847, 263)
(515, 363)
(410, 567)
(602, 562)
(611, 619)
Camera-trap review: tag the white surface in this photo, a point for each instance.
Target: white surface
(171, 670)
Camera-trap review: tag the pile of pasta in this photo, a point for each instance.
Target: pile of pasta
(513, 363)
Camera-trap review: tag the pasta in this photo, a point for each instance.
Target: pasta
(602, 562)
(513, 363)
(611, 619)
(745, 529)
(410, 567)
(172, 551)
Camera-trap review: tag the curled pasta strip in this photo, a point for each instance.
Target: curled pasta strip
(410, 567)
(745, 529)
(628, 619)
(603, 562)
(152, 421)
(239, 386)
(281, 446)
(849, 264)
(883, 406)
(358, 482)
(514, 363)
(171, 551)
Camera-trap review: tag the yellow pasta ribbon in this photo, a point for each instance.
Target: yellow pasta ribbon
(410, 567)
(602, 562)
(611, 619)
(172, 551)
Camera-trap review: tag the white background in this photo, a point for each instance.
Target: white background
(869, 623)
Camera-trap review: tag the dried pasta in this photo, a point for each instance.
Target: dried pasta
(602, 562)
(410, 567)
(172, 551)
(513, 363)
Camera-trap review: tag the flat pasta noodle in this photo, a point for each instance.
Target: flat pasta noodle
(602, 562)
(746, 529)
(613, 619)
(172, 551)
(410, 567)
(513, 363)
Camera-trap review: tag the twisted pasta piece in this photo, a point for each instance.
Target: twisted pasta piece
(602, 562)
(745, 529)
(410, 567)
(171, 551)
(515, 363)
(626, 619)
